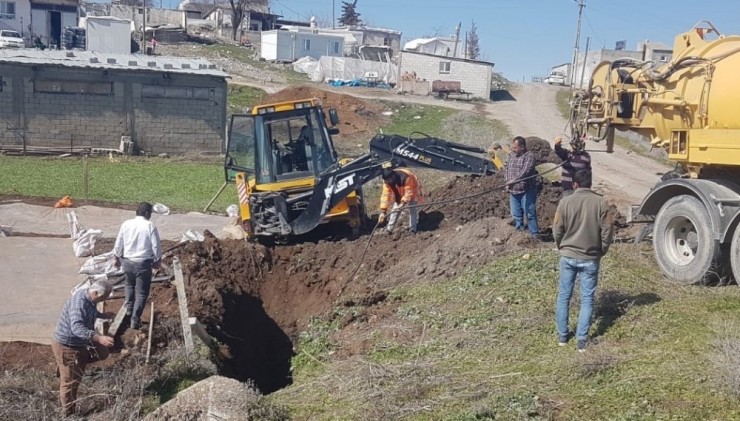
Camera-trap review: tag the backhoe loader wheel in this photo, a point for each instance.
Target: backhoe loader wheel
(735, 255)
(682, 241)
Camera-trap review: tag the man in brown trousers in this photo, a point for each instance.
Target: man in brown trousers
(76, 344)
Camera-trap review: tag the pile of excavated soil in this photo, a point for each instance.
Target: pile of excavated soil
(359, 119)
(490, 199)
(542, 150)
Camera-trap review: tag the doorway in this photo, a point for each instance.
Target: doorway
(55, 29)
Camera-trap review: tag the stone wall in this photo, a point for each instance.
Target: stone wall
(58, 107)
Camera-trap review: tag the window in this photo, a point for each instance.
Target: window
(306, 45)
(241, 149)
(336, 47)
(663, 58)
(7, 10)
(73, 87)
(386, 41)
(444, 67)
(177, 92)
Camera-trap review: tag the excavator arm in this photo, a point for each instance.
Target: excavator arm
(431, 152)
(427, 152)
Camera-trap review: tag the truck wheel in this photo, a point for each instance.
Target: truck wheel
(682, 240)
(735, 255)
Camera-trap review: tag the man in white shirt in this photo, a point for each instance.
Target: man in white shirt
(139, 250)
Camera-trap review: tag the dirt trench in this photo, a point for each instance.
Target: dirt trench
(256, 300)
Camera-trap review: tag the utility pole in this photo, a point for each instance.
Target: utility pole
(457, 38)
(333, 19)
(581, 5)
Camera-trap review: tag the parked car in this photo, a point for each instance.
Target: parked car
(11, 39)
(555, 78)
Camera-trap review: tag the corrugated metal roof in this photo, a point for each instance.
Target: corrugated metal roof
(97, 60)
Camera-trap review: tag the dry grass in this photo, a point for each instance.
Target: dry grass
(482, 346)
(726, 356)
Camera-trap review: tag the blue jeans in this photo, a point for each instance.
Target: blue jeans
(138, 283)
(589, 277)
(522, 203)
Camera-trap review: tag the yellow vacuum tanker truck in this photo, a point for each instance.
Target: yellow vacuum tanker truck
(691, 107)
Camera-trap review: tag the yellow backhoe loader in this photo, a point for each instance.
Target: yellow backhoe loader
(289, 178)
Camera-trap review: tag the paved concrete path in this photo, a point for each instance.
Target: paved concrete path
(50, 221)
(38, 273)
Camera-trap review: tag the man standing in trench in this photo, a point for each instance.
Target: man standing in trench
(583, 229)
(75, 343)
(139, 250)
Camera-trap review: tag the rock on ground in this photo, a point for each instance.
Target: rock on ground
(215, 398)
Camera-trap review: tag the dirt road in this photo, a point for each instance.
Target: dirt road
(623, 176)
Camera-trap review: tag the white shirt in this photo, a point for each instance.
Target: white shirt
(138, 240)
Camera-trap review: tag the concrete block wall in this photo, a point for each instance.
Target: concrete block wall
(69, 120)
(474, 77)
(153, 16)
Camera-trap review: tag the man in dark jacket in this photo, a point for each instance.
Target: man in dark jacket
(583, 229)
(575, 159)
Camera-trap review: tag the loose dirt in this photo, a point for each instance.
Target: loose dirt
(360, 119)
(256, 300)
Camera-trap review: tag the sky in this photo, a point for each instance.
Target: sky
(525, 38)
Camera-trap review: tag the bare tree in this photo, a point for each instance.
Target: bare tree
(349, 14)
(239, 9)
(473, 42)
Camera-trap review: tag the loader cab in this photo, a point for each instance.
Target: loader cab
(281, 142)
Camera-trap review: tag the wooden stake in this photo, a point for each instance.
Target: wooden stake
(182, 301)
(149, 339)
(113, 330)
(86, 177)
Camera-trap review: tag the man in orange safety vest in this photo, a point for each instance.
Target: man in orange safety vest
(401, 191)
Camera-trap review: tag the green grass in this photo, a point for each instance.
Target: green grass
(188, 185)
(250, 57)
(484, 348)
(179, 184)
(410, 118)
(239, 98)
(563, 102)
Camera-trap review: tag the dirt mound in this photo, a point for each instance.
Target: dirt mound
(543, 152)
(490, 199)
(360, 119)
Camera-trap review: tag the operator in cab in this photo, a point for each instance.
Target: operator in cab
(401, 192)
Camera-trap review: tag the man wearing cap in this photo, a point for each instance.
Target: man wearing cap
(401, 188)
(575, 159)
(75, 343)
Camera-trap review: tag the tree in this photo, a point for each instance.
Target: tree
(349, 14)
(239, 9)
(473, 42)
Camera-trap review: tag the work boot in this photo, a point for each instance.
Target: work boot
(581, 345)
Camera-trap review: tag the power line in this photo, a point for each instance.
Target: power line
(593, 31)
(301, 15)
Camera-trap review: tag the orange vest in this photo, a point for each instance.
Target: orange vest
(409, 191)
